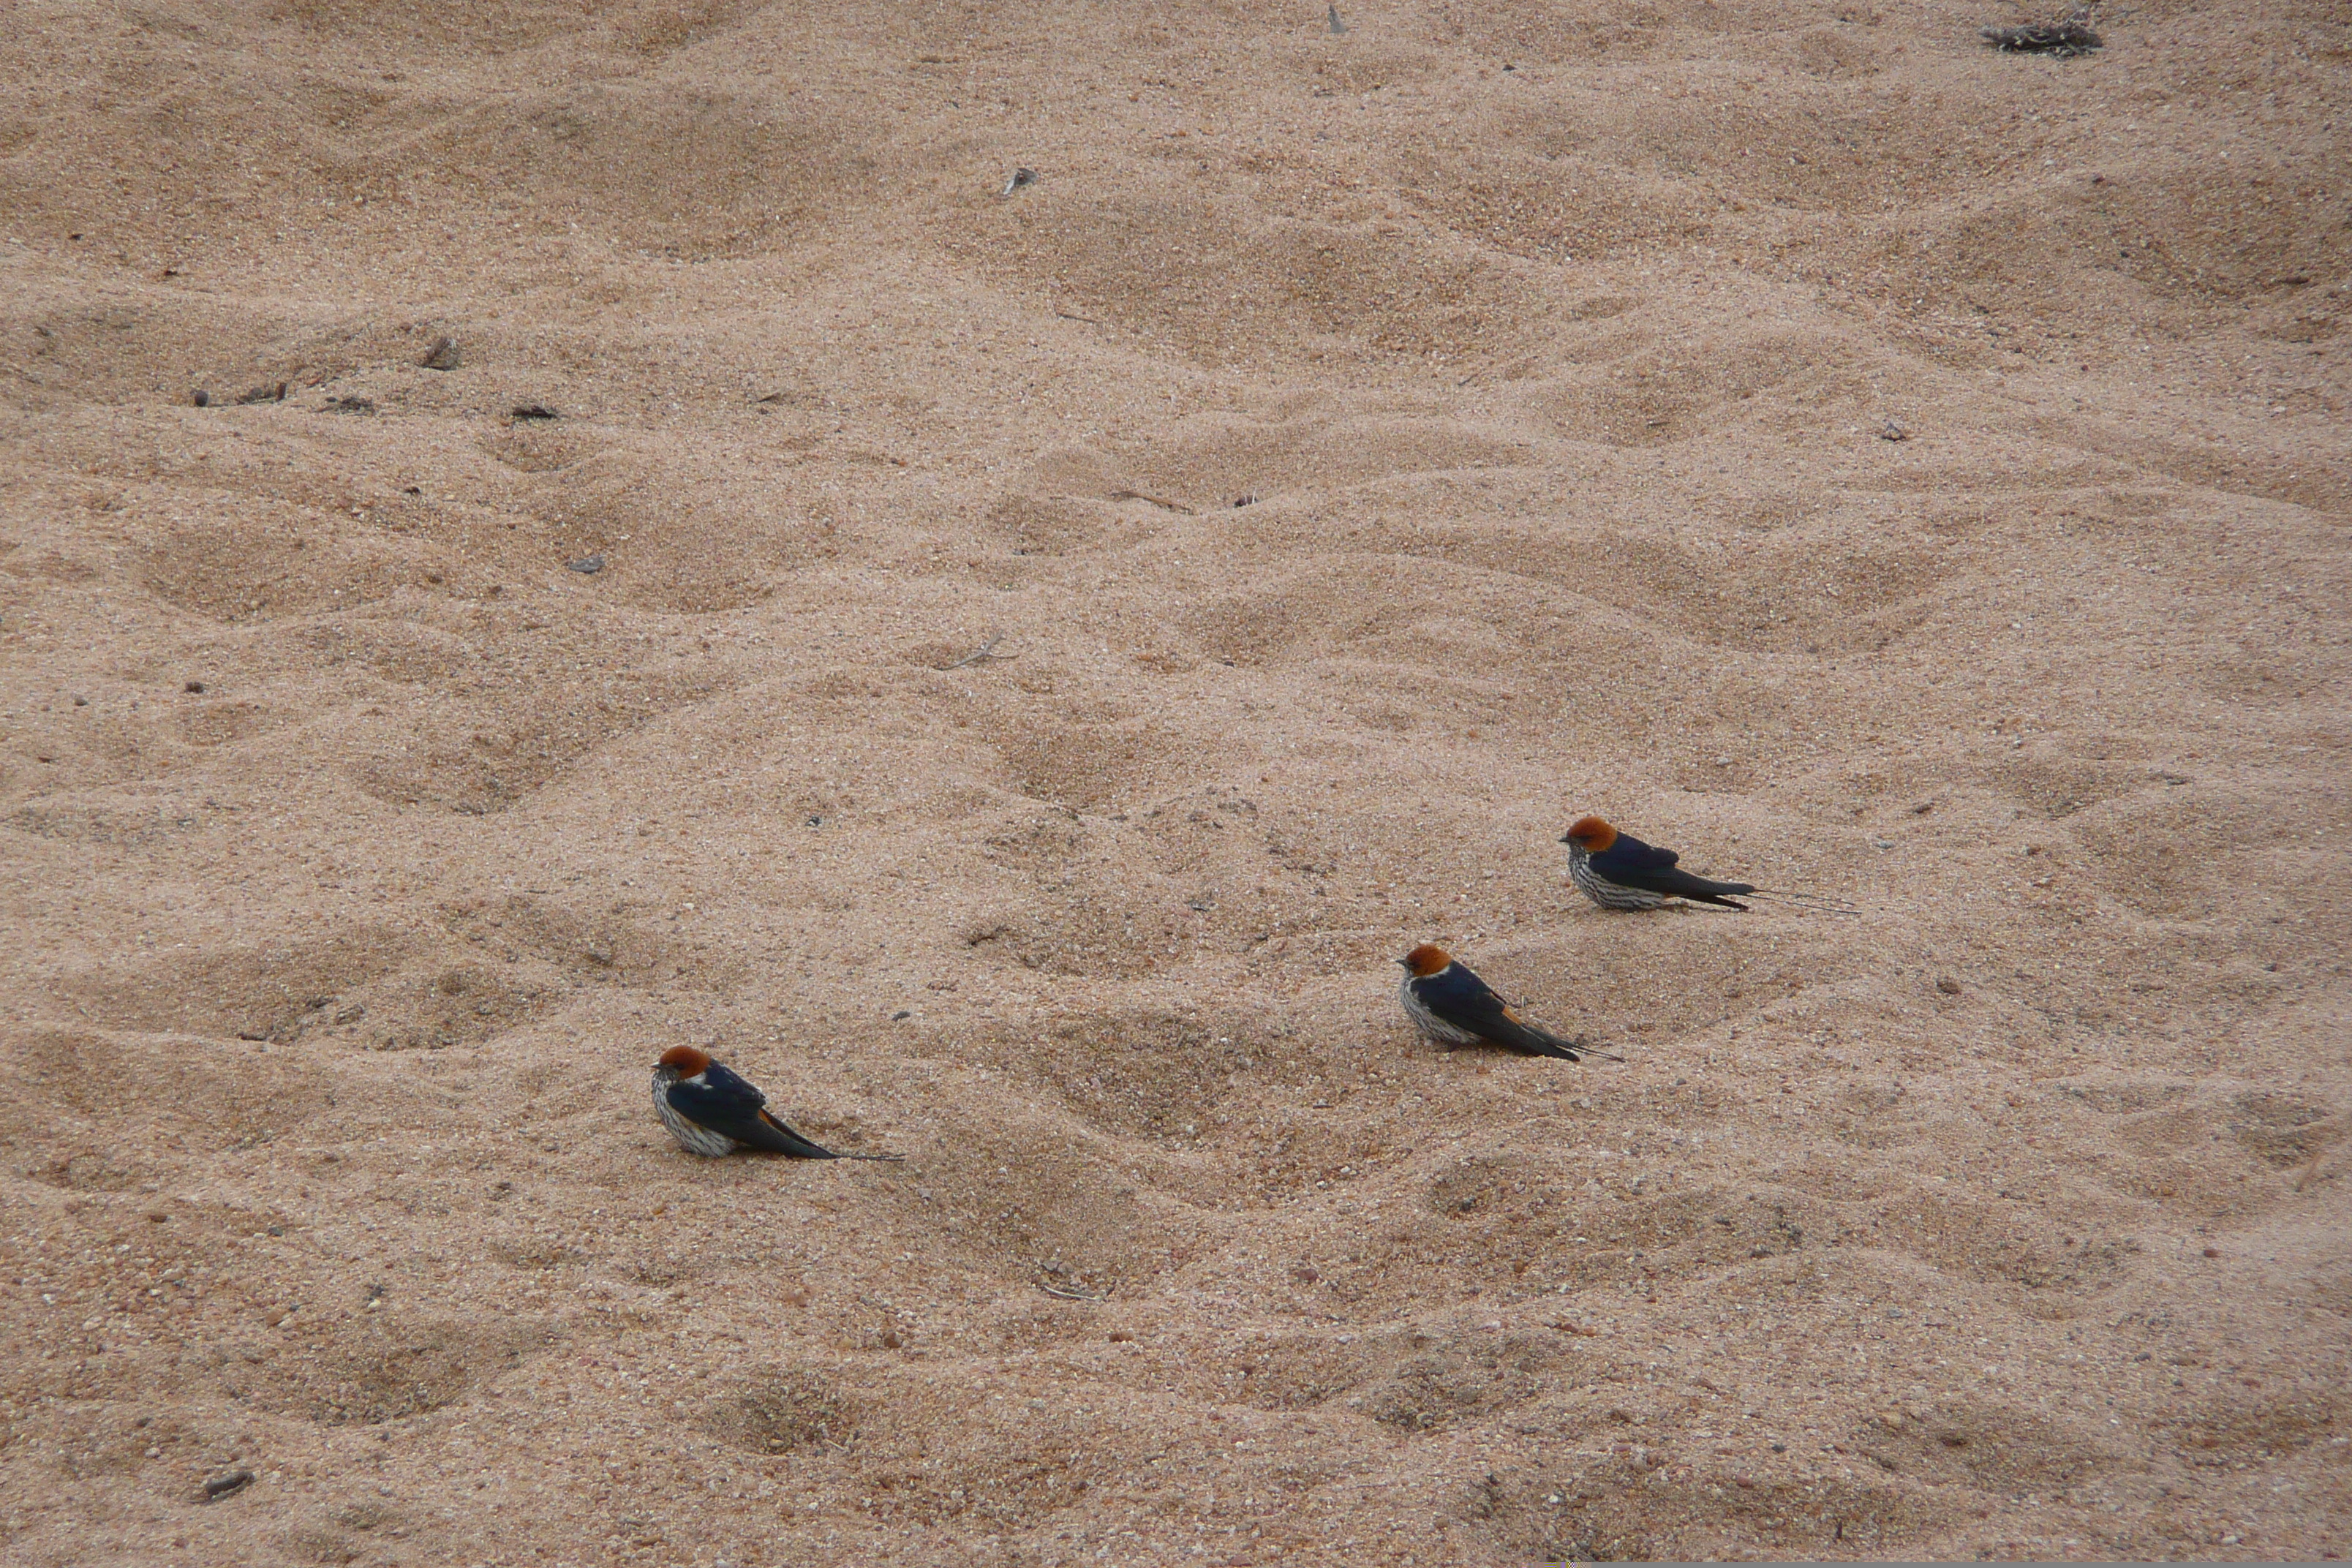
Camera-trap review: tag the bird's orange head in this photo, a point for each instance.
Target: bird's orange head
(686, 1060)
(1591, 835)
(1425, 960)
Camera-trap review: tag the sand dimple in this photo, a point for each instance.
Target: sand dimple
(677, 545)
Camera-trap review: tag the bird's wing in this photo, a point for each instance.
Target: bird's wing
(1630, 863)
(1630, 854)
(781, 1139)
(1469, 1002)
(1535, 1041)
(1463, 1000)
(725, 1103)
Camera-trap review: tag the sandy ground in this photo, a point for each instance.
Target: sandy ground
(1866, 462)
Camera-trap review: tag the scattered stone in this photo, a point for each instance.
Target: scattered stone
(349, 405)
(196, 686)
(442, 355)
(226, 1483)
(900, 1016)
(1894, 430)
(202, 398)
(1947, 985)
(1331, 18)
(1022, 177)
(534, 411)
(587, 565)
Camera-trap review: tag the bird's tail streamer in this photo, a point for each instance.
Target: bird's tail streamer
(1806, 904)
(1581, 1049)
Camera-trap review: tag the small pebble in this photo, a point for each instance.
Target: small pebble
(1947, 985)
(202, 398)
(226, 1482)
(588, 565)
(534, 411)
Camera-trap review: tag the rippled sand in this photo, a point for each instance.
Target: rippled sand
(1865, 462)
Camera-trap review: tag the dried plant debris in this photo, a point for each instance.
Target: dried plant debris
(349, 405)
(2066, 37)
(442, 355)
(534, 411)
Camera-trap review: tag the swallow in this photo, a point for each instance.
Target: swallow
(711, 1111)
(1618, 871)
(1452, 1006)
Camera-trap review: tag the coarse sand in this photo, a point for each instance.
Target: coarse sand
(532, 534)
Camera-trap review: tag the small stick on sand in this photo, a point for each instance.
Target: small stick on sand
(1155, 501)
(2311, 1166)
(1071, 1295)
(980, 655)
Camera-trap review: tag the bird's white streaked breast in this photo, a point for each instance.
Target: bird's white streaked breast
(694, 1138)
(1607, 894)
(1429, 1023)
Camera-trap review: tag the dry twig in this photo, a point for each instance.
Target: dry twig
(1155, 501)
(981, 655)
(1072, 1295)
(2069, 35)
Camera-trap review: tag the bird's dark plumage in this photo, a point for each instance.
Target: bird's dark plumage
(1448, 1002)
(1618, 871)
(726, 1105)
(713, 1111)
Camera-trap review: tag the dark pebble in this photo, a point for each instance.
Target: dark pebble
(193, 686)
(226, 1482)
(534, 411)
(900, 1016)
(203, 399)
(1948, 986)
(589, 566)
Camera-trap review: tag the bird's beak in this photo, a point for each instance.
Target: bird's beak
(1404, 964)
(1567, 838)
